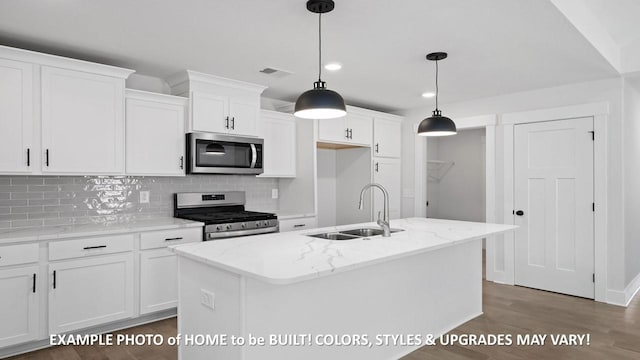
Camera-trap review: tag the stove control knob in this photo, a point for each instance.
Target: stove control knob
(218, 228)
(243, 225)
(228, 227)
(266, 223)
(258, 224)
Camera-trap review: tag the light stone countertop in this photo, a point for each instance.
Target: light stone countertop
(285, 258)
(86, 230)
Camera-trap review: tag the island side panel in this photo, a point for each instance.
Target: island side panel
(428, 293)
(194, 318)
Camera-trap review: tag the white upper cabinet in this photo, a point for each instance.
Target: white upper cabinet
(387, 134)
(82, 122)
(279, 133)
(16, 117)
(355, 128)
(155, 138)
(60, 115)
(219, 105)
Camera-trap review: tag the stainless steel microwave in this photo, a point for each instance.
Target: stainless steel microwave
(209, 153)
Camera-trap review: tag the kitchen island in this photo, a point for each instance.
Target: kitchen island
(365, 298)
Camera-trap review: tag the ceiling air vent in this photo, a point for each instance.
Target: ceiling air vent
(277, 73)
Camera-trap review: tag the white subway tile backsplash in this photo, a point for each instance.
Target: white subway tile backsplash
(35, 201)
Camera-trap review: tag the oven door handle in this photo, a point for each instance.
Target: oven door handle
(237, 233)
(254, 156)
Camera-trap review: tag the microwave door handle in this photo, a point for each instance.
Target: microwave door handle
(254, 156)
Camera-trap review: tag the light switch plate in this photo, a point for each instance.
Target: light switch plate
(144, 197)
(274, 193)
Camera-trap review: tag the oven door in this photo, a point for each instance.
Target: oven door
(221, 154)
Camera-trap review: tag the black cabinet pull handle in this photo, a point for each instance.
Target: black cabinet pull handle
(376, 167)
(33, 288)
(28, 157)
(95, 247)
(181, 162)
(520, 213)
(233, 123)
(173, 239)
(350, 133)
(226, 122)
(299, 225)
(347, 131)
(377, 148)
(54, 279)
(46, 154)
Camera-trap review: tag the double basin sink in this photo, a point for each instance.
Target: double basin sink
(352, 234)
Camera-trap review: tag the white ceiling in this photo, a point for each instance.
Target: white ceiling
(495, 46)
(619, 17)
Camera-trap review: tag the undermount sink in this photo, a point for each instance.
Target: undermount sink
(334, 236)
(367, 232)
(352, 234)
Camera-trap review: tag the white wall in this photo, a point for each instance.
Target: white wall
(460, 194)
(607, 90)
(632, 179)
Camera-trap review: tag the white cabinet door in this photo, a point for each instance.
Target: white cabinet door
(360, 129)
(279, 134)
(158, 280)
(155, 139)
(82, 122)
(244, 115)
(386, 172)
(333, 130)
(16, 117)
(387, 136)
(89, 292)
(18, 305)
(209, 112)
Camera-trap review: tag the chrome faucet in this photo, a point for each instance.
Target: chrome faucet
(384, 222)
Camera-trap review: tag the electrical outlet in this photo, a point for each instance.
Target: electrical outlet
(144, 197)
(207, 298)
(274, 193)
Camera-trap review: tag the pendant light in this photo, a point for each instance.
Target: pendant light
(436, 124)
(320, 102)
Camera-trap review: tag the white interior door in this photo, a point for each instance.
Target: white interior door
(554, 206)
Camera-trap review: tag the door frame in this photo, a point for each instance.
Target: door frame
(490, 124)
(599, 112)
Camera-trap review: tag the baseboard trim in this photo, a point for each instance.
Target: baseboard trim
(100, 329)
(623, 298)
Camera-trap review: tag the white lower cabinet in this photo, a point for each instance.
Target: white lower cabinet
(90, 291)
(299, 223)
(158, 280)
(19, 306)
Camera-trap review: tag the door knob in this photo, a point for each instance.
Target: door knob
(520, 213)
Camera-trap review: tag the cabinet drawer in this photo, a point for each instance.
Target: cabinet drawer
(297, 224)
(164, 238)
(90, 246)
(18, 254)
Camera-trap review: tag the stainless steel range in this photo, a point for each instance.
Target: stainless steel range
(223, 214)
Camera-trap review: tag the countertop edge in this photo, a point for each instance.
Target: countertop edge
(130, 228)
(323, 273)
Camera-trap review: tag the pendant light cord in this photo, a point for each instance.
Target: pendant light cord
(436, 84)
(319, 47)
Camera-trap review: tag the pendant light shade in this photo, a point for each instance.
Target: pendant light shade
(320, 102)
(436, 124)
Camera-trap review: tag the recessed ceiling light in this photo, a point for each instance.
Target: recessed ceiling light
(428, 95)
(334, 66)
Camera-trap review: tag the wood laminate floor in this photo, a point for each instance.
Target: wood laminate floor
(615, 331)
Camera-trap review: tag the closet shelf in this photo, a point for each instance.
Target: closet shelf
(437, 169)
